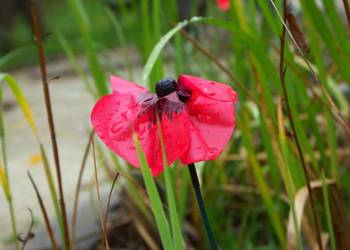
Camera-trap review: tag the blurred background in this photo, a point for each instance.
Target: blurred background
(255, 191)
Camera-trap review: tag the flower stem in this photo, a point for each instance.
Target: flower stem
(196, 187)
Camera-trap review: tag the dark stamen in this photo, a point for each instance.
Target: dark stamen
(184, 95)
(166, 86)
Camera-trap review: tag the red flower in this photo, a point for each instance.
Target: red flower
(196, 118)
(223, 5)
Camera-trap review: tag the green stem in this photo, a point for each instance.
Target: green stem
(196, 187)
(8, 195)
(13, 223)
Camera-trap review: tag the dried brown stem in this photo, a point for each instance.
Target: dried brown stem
(110, 196)
(29, 234)
(103, 224)
(347, 10)
(282, 72)
(45, 84)
(77, 189)
(46, 217)
(335, 110)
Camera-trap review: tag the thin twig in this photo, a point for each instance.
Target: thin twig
(30, 234)
(219, 64)
(335, 111)
(110, 196)
(46, 217)
(45, 84)
(77, 189)
(347, 10)
(103, 225)
(282, 72)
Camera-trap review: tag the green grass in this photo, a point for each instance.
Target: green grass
(250, 189)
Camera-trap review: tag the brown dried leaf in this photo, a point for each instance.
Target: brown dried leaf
(299, 203)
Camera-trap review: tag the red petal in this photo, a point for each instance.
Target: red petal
(112, 118)
(213, 90)
(175, 135)
(223, 5)
(122, 86)
(114, 115)
(212, 121)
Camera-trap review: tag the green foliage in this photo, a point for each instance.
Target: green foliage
(252, 187)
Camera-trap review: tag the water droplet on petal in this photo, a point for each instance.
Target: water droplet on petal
(125, 115)
(116, 127)
(208, 91)
(208, 119)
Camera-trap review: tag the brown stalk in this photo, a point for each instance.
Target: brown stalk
(45, 84)
(347, 10)
(110, 196)
(103, 224)
(29, 234)
(46, 217)
(77, 189)
(340, 219)
(282, 72)
(335, 111)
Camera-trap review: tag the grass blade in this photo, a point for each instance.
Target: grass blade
(156, 204)
(96, 69)
(161, 44)
(26, 110)
(174, 218)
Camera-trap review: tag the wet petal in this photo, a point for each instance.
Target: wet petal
(122, 86)
(203, 87)
(212, 121)
(175, 131)
(113, 118)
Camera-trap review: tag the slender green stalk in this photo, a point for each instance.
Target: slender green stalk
(121, 37)
(52, 188)
(174, 218)
(80, 14)
(13, 222)
(200, 202)
(26, 110)
(156, 204)
(327, 207)
(6, 181)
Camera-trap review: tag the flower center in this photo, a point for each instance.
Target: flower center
(183, 94)
(166, 86)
